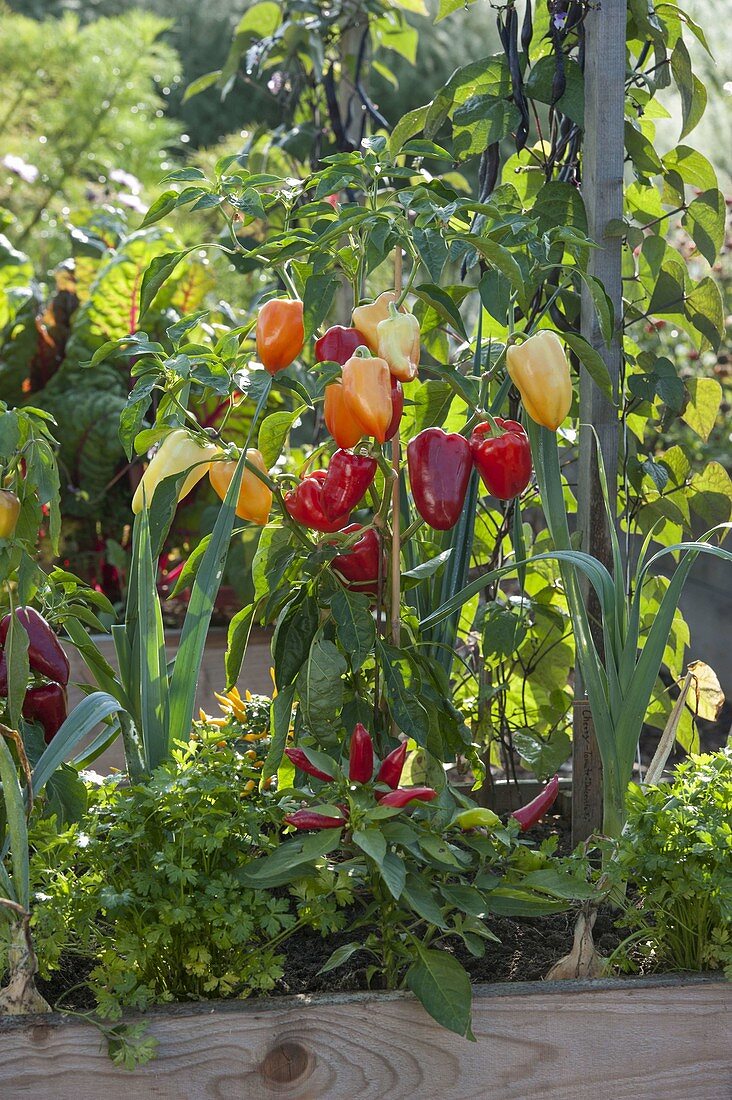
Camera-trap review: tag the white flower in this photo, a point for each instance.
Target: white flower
(27, 172)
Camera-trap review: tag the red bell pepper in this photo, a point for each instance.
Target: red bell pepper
(300, 760)
(529, 814)
(397, 408)
(45, 654)
(361, 755)
(347, 478)
(309, 819)
(305, 504)
(47, 705)
(338, 344)
(502, 457)
(439, 470)
(392, 767)
(359, 566)
(403, 795)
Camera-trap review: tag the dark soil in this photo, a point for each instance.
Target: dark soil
(528, 948)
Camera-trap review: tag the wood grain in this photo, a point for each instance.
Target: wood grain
(617, 1040)
(603, 154)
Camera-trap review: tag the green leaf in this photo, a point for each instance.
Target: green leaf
(84, 717)
(691, 90)
(355, 625)
(443, 305)
(432, 250)
(288, 862)
(592, 361)
(422, 900)
(280, 718)
(408, 125)
(539, 86)
(427, 568)
(320, 686)
(16, 825)
(406, 709)
(393, 873)
(340, 955)
(705, 398)
(705, 310)
(158, 271)
(162, 205)
(559, 883)
(372, 842)
(296, 628)
(704, 221)
(559, 203)
(712, 494)
(317, 300)
(18, 668)
(237, 640)
(443, 987)
(510, 901)
(187, 667)
(200, 84)
(273, 432)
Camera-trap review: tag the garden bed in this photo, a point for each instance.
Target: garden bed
(633, 1039)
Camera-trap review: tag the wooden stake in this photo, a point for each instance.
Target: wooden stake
(602, 190)
(396, 570)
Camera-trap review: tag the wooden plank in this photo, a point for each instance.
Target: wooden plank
(602, 190)
(625, 1040)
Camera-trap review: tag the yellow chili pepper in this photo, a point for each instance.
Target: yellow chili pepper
(476, 818)
(367, 394)
(367, 318)
(255, 498)
(399, 343)
(540, 372)
(179, 451)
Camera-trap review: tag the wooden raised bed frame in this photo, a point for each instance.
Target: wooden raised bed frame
(628, 1039)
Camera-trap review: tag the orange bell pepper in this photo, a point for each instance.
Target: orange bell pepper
(280, 333)
(255, 498)
(367, 318)
(399, 343)
(367, 394)
(339, 420)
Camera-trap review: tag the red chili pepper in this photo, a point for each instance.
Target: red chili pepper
(360, 565)
(361, 755)
(45, 654)
(46, 704)
(338, 344)
(347, 478)
(439, 470)
(308, 819)
(305, 504)
(529, 814)
(397, 408)
(392, 766)
(402, 795)
(502, 459)
(300, 760)
(3, 675)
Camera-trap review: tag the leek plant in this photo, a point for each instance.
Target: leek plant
(619, 683)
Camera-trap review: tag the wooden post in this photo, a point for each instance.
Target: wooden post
(396, 576)
(602, 190)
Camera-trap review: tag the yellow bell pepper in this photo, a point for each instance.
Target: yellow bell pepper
(178, 452)
(399, 343)
(255, 498)
(367, 318)
(367, 394)
(540, 372)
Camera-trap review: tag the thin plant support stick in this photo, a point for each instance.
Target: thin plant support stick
(395, 502)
